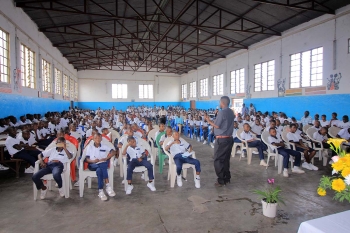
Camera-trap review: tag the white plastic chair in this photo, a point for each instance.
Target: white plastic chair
(114, 135)
(151, 139)
(322, 152)
(333, 131)
(234, 148)
(120, 158)
(83, 174)
(271, 150)
(66, 182)
(245, 147)
(144, 144)
(172, 166)
(290, 145)
(306, 127)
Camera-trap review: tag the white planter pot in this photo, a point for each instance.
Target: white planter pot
(269, 209)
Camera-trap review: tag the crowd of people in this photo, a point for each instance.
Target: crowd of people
(47, 138)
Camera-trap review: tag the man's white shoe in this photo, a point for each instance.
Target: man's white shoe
(285, 173)
(239, 152)
(205, 142)
(61, 192)
(102, 195)
(263, 163)
(3, 168)
(110, 191)
(129, 189)
(43, 194)
(151, 186)
(28, 170)
(297, 170)
(306, 166)
(197, 183)
(313, 167)
(179, 181)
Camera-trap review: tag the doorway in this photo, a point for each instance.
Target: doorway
(237, 105)
(193, 104)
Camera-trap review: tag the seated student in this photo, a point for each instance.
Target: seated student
(321, 135)
(324, 122)
(137, 157)
(3, 126)
(98, 156)
(179, 122)
(181, 150)
(240, 122)
(211, 136)
(197, 124)
(73, 132)
(89, 131)
(334, 121)
(161, 130)
(279, 127)
(57, 157)
(317, 125)
(205, 129)
(252, 142)
(306, 119)
(22, 121)
(344, 133)
(316, 118)
(309, 153)
(105, 134)
(272, 126)
(191, 125)
(344, 124)
(276, 140)
(17, 150)
(247, 120)
(168, 133)
(137, 131)
(257, 128)
(99, 126)
(70, 138)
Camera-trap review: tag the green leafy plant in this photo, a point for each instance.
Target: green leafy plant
(271, 194)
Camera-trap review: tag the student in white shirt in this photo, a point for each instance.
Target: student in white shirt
(181, 150)
(252, 142)
(321, 135)
(317, 125)
(276, 141)
(306, 119)
(98, 156)
(3, 126)
(344, 133)
(316, 118)
(257, 128)
(309, 153)
(161, 130)
(73, 132)
(324, 122)
(57, 157)
(17, 150)
(334, 121)
(137, 157)
(344, 124)
(89, 131)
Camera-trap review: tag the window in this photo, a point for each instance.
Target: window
(193, 90)
(46, 75)
(27, 67)
(237, 81)
(264, 76)
(4, 57)
(203, 84)
(119, 91)
(218, 84)
(75, 90)
(65, 85)
(306, 68)
(58, 82)
(184, 91)
(146, 91)
(71, 88)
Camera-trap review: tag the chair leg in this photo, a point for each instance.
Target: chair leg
(81, 186)
(111, 179)
(120, 161)
(146, 176)
(184, 173)
(89, 182)
(268, 159)
(172, 177)
(249, 156)
(280, 163)
(35, 192)
(161, 163)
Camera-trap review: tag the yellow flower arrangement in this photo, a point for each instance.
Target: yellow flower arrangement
(340, 181)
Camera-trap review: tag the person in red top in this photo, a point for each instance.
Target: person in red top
(105, 133)
(71, 139)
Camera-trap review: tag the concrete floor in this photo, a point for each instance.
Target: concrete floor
(230, 209)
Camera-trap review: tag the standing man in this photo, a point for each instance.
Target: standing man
(162, 115)
(223, 129)
(245, 111)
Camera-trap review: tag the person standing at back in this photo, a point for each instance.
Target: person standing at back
(223, 129)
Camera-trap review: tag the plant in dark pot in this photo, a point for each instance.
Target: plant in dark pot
(270, 198)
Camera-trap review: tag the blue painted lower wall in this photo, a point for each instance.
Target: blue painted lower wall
(202, 104)
(122, 105)
(297, 105)
(18, 105)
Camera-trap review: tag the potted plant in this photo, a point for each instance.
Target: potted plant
(339, 182)
(270, 198)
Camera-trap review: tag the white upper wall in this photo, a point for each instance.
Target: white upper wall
(18, 24)
(96, 85)
(319, 32)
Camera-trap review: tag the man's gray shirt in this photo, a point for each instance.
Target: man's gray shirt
(224, 120)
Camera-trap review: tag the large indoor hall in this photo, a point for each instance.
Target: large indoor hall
(164, 116)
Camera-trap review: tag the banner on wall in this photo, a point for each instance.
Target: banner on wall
(17, 80)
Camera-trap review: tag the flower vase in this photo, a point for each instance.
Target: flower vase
(269, 209)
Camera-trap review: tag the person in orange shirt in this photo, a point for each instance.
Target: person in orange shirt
(72, 139)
